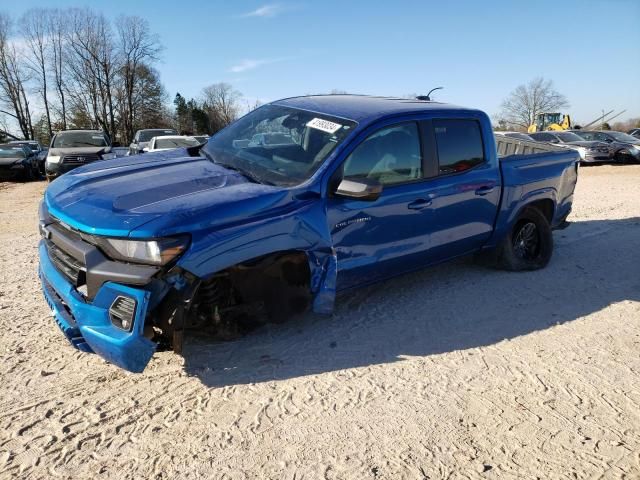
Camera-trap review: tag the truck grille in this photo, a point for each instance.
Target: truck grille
(80, 159)
(71, 268)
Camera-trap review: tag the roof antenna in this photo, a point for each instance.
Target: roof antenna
(427, 97)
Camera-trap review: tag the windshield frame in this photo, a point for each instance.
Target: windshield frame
(221, 147)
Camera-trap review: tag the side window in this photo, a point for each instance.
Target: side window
(544, 137)
(459, 144)
(391, 155)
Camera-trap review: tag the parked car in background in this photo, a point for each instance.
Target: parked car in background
(37, 150)
(120, 151)
(517, 135)
(229, 235)
(590, 151)
(634, 132)
(623, 148)
(18, 162)
(74, 148)
(142, 137)
(169, 142)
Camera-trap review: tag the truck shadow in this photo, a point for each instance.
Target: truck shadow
(454, 306)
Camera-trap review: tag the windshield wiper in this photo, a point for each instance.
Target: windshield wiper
(251, 176)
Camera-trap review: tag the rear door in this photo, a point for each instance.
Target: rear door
(466, 188)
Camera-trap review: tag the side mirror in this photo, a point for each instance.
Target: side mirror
(361, 189)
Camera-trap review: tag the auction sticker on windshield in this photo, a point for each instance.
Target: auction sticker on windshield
(324, 125)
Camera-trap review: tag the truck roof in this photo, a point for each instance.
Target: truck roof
(363, 107)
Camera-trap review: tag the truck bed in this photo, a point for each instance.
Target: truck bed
(547, 176)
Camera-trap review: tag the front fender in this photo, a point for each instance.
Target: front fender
(303, 229)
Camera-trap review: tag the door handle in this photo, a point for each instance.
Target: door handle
(484, 190)
(419, 204)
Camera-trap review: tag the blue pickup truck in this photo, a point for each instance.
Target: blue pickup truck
(237, 232)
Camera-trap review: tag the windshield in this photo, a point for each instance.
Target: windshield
(569, 137)
(278, 145)
(176, 142)
(11, 152)
(79, 139)
(146, 135)
(623, 137)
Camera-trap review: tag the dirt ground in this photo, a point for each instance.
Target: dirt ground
(454, 372)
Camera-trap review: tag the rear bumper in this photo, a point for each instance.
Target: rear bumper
(88, 326)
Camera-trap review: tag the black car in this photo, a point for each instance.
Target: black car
(142, 138)
(594, 151)
(623, 147)
(17, 162)
(36, 148)
(73, 148)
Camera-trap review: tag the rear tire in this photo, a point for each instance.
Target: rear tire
(529, 243)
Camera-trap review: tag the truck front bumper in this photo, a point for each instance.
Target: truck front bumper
(88, 325)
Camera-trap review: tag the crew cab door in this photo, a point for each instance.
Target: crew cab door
(427, 212)
(377, 238)
(466, 187)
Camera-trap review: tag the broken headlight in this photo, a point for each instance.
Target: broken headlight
(158, 251)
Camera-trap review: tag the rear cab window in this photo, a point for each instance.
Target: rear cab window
(459, 145)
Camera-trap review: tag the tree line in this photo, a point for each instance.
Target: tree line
(74, 68)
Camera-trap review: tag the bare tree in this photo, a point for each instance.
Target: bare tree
(34, 27)
(12, 81)
(522, 105)
(222, 104)
(93, 65)
(136, 46)
(57, 32)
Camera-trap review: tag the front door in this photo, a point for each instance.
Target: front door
(377, 239)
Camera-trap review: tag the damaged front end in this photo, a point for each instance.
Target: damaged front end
(238, 299)
(123, 311)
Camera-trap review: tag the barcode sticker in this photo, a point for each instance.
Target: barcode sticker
(324, 125)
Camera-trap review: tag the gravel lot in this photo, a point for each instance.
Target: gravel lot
(454, 372)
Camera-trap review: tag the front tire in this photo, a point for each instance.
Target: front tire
(529, 244)
(623, 157)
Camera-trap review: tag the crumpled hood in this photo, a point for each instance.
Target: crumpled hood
(157, 194)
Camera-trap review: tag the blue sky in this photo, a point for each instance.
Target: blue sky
(478, 50)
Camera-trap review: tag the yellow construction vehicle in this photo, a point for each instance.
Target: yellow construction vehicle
(550, 121)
